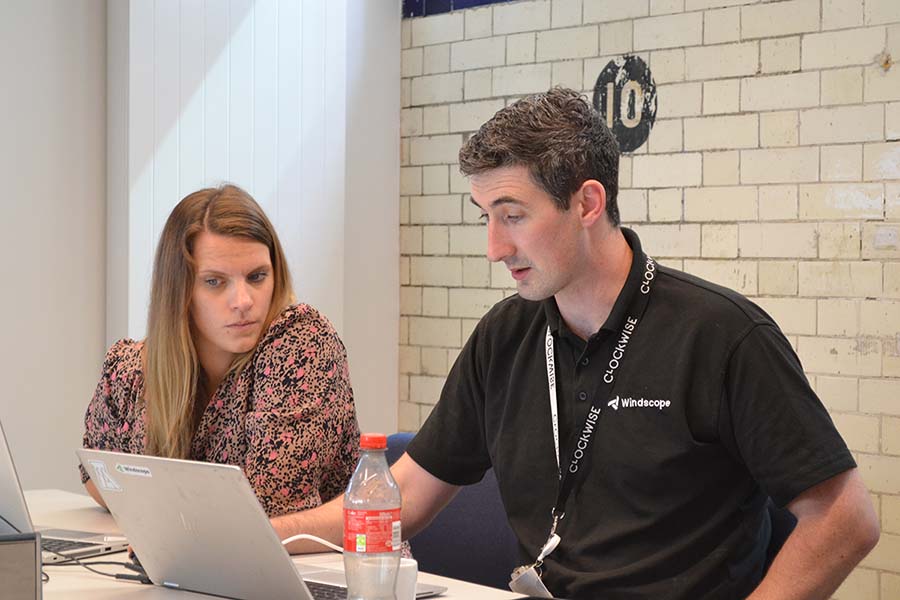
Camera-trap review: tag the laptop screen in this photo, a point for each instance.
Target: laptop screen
(14, 517)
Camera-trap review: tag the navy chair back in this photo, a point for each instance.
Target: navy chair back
(471, 538)
(783, 523)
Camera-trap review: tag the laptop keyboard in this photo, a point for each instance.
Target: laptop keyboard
(54, 545)
(324, 591)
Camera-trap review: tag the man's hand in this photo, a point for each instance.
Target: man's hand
(836, 528)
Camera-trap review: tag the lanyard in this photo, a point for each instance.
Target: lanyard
(583, 442)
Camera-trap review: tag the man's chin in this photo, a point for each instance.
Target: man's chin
(530, 293)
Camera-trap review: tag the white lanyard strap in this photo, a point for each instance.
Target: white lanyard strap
(551, 385)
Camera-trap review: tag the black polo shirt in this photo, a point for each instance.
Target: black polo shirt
(710, 413)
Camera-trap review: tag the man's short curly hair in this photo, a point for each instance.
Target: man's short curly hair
(558, 137)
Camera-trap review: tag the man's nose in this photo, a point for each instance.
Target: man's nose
(498, 243)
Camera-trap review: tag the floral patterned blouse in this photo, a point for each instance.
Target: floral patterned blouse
(287, 419)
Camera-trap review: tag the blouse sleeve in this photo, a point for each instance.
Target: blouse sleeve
(109, 419)
(302, 434)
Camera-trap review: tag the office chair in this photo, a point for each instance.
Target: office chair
(470, 539)
(783, 523)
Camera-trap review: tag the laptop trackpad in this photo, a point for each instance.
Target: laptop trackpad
(321, 574)
(333, 577)
(69, 534)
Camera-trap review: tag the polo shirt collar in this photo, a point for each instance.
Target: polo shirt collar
(616, 318)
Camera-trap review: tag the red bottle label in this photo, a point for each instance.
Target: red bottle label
(369, 531)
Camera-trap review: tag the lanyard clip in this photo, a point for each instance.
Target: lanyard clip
(553, 539)
(557, 517)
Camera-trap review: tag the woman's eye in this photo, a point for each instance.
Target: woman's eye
(211, 282)
(257, 277)
(513, 218)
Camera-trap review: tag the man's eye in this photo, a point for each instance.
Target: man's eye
(513, 218)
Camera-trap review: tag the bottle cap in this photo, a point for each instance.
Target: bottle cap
(373, 441)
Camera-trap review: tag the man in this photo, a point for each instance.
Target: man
(647, 413)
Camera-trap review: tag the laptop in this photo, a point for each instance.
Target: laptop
(58, 545)
(198, 526)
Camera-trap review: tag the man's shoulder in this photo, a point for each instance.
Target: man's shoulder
(511, 312)
(709, 300)
(508, 324)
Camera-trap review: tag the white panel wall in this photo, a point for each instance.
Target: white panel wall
(261, 94)
(52, 242)
(371, 224)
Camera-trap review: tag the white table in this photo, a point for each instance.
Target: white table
(56, 508)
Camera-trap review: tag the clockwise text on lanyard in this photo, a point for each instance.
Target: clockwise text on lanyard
(617, 356)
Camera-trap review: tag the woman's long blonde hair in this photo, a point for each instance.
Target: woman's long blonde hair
(173, 378)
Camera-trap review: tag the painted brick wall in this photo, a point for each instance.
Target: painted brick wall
(773, 168)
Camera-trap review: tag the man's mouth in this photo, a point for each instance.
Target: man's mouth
(519, 273)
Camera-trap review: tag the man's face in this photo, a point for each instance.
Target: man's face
(538, 243)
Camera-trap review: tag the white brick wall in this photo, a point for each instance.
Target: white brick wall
(477, 54)
(842, 86)
(520, 48)
(779, 18)
(726, 60)
(560, 44)
(775, 92)
(773, 168)
(667, 170)
(723, 25)
(841, 201)
(779, 165)
(840, 48)
(614, 10)
(527, 16)
(670, 31)
(721, 96)
(520, 80)
(719, 133)
(734, 203)
(779, 54)
(842, 124)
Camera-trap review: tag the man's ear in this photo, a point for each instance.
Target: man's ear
(592, 196)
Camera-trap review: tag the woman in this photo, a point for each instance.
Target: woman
(231, 371)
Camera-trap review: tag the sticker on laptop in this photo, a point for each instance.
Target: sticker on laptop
(102, 479)
(133, 470)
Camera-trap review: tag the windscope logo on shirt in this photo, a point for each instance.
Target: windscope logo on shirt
(618, 402)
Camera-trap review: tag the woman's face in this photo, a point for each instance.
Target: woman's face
(231, 296)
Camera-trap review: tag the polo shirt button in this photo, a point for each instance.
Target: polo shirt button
(585, 361)
(582, 395)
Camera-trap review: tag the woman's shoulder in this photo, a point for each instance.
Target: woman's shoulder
(299, 321)
(123, 357)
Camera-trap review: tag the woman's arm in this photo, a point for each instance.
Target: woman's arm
(301, 430)
(92, 490)
(112, 421)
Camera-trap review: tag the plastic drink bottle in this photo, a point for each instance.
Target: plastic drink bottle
(372, 524)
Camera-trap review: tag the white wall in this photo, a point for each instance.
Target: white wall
(52, 164)
(371, 226)
(275, 96)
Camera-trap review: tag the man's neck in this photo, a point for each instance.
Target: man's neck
(586, 303)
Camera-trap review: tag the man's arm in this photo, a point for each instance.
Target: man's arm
(836, 528)
(424, 495)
